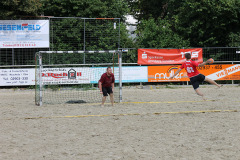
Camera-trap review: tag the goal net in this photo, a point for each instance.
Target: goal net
(72, 76)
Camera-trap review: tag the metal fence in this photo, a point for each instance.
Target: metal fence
(68, 33)
(75, 33)
(227, 55)
(222, 54)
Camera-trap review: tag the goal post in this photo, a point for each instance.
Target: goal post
(63, 77)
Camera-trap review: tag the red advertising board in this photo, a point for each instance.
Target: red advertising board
(167, 56)
(214, 72)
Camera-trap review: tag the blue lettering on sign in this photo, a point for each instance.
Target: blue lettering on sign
(14, 27)
(19, 27)
(30, 27)
(8, 27)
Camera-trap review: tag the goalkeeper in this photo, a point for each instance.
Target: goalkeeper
(106, 85)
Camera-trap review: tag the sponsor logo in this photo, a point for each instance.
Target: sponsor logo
(193, 54)
(20, 27)
(55, 75)
(171, 68)
(228, 71)
(144, 55)
(72, 74)
(169, 73)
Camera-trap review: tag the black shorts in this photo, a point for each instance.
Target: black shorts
(107, 90)
(196, 80)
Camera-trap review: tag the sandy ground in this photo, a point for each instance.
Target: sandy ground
(170, 123)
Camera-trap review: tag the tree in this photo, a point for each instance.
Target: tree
(85, 8)
(15, 9)
(145, 9)
(104, 39)
(208, 22)
(158, 34)
(203, 23)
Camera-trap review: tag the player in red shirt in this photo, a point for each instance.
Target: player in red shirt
(194, 75)
(106, 85)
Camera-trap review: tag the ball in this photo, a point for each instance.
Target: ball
(210, 61)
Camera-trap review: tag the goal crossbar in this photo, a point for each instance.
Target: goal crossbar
(106, 51)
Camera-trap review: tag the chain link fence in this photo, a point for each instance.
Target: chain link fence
(68, 33)
(228, 55)
(75, 33)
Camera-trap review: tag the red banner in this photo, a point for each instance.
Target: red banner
(167, 56)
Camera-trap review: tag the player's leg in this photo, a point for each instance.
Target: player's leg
(103, 100)
(212, 82)
(111, 98)
(200, 93)
(104, 90)
(110, 92)
(195, 84)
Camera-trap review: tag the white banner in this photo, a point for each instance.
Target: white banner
(17, 77)
(135, 74)
(77, 75)
(24, 33)
(129, 74)
(66, 75)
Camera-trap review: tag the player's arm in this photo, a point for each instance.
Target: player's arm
(179, 70)
(204, 63)
(100, 82)
(100, 86)
(113, 83)
(112, 86)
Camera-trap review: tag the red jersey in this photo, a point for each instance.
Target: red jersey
(191, 68)
(107, 80)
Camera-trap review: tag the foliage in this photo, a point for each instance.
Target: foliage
(161, 24)
(15, 9)
(85, 8)
(203, 23)
(208, 22)
(145, 9)
(127, 42)
(158, 34)
(234, 39)
(99, 34)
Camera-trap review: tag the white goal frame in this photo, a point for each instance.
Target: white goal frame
(39, 67)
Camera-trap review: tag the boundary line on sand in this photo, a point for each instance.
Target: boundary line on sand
(149, 102)
(131, 114)
(171, 101)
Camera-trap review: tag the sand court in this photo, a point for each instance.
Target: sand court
(158, 123)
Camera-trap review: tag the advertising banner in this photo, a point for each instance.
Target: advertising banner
(167, 56)
(24, 33)
(20, 77)
(77, 75)
(214, 72)
(66, 76)
(135, 74)
(223, 72)
(129, 74)
(17, 77)
(91, 75)
(162, 73)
